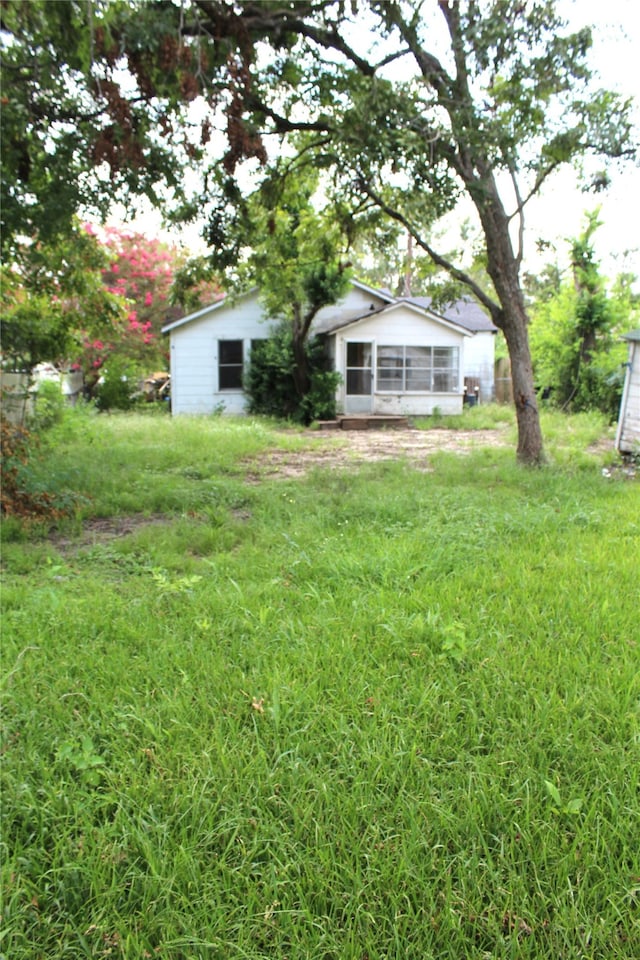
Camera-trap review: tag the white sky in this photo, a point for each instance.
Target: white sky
(559, 213)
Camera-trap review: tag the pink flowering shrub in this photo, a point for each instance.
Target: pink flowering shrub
(139, 272)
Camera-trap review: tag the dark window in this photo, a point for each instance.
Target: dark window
(230, 365)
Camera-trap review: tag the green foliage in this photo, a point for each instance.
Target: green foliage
(194, 284)
(33, 328)
(288, 244)
(67, 116)
(271, 383)
(82, 760)
(50, 293)
(118, 386)
(575, 332)
(49, 406)
(25, 492)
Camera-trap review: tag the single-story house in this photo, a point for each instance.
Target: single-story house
(395, 354)
(628, 433)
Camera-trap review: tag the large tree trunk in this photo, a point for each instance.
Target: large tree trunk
(503, 268)
(530, 448)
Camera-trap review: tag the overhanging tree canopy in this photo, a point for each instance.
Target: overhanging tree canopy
(496, 104)
(493, 97)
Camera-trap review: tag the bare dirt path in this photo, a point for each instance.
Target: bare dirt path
(341, 449)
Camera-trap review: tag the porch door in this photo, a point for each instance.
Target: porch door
(359, 379)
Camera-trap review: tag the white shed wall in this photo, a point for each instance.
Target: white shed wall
(628, 440)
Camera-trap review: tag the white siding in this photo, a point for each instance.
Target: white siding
(355, 303)
(194, 350)
(628, 439)
(479, 360)
(401, 326)
(194, 356)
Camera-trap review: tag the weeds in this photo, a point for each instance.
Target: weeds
(369, 713)
(23, 494)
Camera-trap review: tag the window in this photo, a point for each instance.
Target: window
(359, 369)
(230, 366)
(417, 369)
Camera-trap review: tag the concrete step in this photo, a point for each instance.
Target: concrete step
(371, 422)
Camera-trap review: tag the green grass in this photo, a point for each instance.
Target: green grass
(372, 713)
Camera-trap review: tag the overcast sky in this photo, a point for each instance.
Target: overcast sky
(560, 214)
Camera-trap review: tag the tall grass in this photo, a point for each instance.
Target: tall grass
(366, 714)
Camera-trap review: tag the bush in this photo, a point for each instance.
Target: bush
(119, 387)
(270, 382)
(22, 493)
(50, 406)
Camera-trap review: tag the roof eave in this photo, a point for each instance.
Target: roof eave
(393, 305)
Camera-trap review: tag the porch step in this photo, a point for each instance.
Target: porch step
(366, 422)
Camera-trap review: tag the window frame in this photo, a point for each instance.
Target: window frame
(226, 367)
(438, 366)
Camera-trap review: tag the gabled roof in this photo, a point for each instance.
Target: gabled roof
(632, 335)
(465, 313)
(224, 300)
(374, 291)
(342, 324)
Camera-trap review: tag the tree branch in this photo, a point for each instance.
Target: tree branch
(430, 67)
(519, 212)
(272, 23)
(283, 124)
(437, 258)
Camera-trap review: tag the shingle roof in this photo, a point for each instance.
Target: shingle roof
(466, 312)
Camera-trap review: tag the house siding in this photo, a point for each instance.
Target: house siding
(401, 327)
(194, 350)
(479, 354)
(194, 357)
(628, 437)
(355, 303)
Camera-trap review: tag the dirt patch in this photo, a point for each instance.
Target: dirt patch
(333, 450)
(104, 529)
(348, 448)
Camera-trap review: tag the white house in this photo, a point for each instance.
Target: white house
(395, 355)
(628, 433)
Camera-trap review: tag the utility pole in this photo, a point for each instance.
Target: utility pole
(409, 266)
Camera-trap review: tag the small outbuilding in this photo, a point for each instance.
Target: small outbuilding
(628, 433)
(396, 356)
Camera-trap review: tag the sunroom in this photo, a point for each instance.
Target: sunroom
(399, 361)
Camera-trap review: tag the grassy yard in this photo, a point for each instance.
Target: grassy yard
(373, 713)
